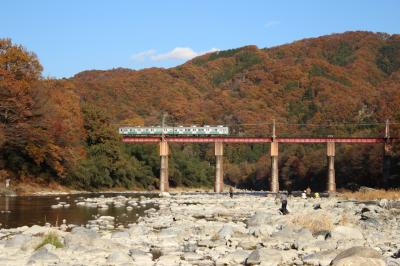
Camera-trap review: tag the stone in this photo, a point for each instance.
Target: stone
(249, 243)
(259, 218)
(109, 219)
(264, 256)
(49, 247)
(36, 229)
(226, 232)
(234, 258)
(264, 230)
(43, 255)
(17, 241)
(120, 234)
(168, 260)
(384, 203)
(164, 195)
(346, 232)
(359, 261)
(360, 252)
(189, 247)
(192, 256)
(396, 255)
(118, 257)
(322, 258)
(80, 236)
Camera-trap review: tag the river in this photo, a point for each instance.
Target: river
(30, 210)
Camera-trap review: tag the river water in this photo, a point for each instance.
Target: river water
(31, 210)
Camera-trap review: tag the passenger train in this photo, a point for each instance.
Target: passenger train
(181, 130)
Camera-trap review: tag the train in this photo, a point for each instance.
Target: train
(174, 131)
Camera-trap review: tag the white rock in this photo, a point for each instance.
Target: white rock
(118, 257)
(345, 232)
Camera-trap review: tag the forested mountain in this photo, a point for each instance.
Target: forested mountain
(65, 130)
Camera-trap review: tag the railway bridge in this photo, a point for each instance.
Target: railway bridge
(274, 152)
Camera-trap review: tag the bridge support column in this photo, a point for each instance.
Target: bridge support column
(387, 157)
(219, 167)
(330, 152)
(274, 167)
(164, 151)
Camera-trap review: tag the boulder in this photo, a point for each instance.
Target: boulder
(235, 258)
(266, 256)
(118, 257)
(17, 241)
(168, 260)
(358, 256)
(43, 256)
(189, 247)
(80, 236)
(36, 229)
(359, 261)
(138, 230)
(346, 232)
(249, 243)
(226, 232)
(164, 195)
(138, 254)
(384, 203)
(322, 258)
(264, 230)
(120, 234)
(228, 204)
(192, 256)
(259, 218)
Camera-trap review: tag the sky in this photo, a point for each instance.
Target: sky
(70, 36)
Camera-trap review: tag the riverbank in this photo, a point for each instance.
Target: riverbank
(200, 229)
(37, 189)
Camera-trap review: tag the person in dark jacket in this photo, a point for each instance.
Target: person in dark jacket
(283, 197)
(231, 192)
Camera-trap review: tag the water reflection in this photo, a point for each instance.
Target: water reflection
(30, 210)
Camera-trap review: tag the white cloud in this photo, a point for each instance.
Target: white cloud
(143, 55)
(178, 53)
(272, 23)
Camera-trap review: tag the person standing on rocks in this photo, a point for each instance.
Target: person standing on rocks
(283, 197)
(231, 192)
(308, 192)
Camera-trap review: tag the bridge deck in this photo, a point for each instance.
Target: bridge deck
(250, 140)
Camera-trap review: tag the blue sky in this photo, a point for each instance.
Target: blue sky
(72, 36)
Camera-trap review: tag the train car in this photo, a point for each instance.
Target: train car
(184, 131)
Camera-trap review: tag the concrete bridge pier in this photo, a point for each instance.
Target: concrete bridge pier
(387, 156)
(330, 152)
(219, 167)
(164, 151)
(274, 167)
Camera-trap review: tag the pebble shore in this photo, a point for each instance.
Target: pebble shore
(213, 229)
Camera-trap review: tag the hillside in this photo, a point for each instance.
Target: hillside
(342, 77)
(351, 77)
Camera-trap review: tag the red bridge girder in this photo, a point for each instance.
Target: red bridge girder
(251, 140)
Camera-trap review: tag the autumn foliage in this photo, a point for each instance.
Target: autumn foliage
(64, 130)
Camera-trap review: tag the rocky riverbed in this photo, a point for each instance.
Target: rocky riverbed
(200, 229)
